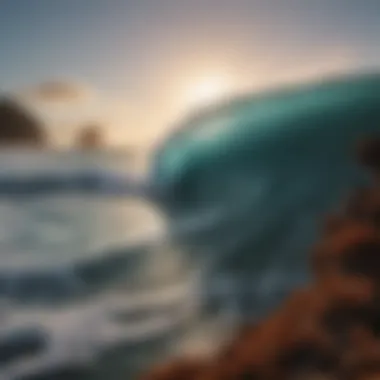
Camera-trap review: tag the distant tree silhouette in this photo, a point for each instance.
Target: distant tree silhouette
(90, 137)
(18, 127)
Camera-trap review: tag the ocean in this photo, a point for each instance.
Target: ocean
(91, 286)
(97, 281)
(106, 270)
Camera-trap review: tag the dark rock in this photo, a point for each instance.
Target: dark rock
(18, 127)
(368, 153)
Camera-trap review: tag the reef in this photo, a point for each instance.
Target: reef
(330, 328)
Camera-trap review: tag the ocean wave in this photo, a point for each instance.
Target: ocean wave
(66, 315)
(88, 182)
(78, 335)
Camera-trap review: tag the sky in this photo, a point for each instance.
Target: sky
(137, 66)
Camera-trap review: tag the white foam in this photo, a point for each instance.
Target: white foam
(77, 335)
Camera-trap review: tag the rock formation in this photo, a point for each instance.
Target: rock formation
(18, 127)
(90, 137)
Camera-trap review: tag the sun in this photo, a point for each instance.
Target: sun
(207, 90)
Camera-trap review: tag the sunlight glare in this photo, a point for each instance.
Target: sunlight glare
(206, 91)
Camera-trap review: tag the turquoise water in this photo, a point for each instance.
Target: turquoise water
(268, 167)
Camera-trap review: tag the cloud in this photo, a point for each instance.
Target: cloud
(58, 91)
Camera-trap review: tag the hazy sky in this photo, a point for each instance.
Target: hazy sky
(142, 57)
